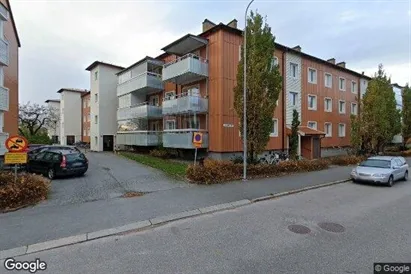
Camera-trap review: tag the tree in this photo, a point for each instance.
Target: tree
(356, 136)
(263, 85)
(32, 118)
(406, 114)
(294, 136)
(379, 119)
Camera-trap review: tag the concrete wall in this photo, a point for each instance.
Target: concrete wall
(70, 116)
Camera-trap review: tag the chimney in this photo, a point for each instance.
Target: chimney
(297, 48)
(232, 23)
(207, 24)
(341, 64)
(332, 61)
(362, 73)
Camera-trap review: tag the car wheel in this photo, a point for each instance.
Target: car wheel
(406, 176)
(390, 181)
(50, 174)
(354, 181)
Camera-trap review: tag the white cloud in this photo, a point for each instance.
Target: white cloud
(399, 73)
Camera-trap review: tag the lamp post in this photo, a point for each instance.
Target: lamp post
(245, 96)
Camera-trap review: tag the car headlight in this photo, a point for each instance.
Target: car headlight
(354, 172)
(380, 175)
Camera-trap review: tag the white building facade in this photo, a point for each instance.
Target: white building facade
(103, 105)
(53, 126)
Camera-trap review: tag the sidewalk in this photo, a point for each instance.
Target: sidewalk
(39, 224)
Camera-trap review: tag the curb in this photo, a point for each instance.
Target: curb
(37, 247)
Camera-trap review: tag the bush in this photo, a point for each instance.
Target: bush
(160, 153)
(29, 189)
(345, 160)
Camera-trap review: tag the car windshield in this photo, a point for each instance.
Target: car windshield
(376, 163)
(75, 157)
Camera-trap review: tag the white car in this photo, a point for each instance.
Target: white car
(381, 169)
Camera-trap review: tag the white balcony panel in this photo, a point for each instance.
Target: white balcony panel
(136, 138)
(146, 82)
(187, 69)
(185, 104)
(182, 139)
(3, 138)
(4, 99)
(4, 52)
(4, 13)
(142, 111)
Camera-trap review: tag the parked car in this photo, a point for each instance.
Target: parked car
(82, 144)
(382, 170)
(42, 148)
(54, 163)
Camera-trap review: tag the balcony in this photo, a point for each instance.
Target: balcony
(182, 138)
(4, 13)
(185, 104)
(144, 83)
(187, 69)
(4, 52)
(4, 99)
(3, 138)
(143, 110)
(139, 138)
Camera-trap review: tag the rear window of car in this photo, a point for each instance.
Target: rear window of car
(75, 157)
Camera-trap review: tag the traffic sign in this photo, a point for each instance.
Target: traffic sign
(197, 145)
(16, 143)
(198, 138)
(15, 158)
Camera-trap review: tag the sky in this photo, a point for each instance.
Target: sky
(60, 38)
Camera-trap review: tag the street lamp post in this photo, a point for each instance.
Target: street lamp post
(245, 96)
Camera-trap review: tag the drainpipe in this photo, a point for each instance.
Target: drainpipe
(283, 102)
(206, 125)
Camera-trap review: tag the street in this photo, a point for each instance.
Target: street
(370, 224)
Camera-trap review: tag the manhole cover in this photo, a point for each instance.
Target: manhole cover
(332, 227)
(299, 229)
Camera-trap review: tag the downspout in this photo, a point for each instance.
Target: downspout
(283, 100)
(206, 126)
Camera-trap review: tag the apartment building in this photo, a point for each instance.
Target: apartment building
(85, 117)
(189, 88)
(70, 115)
(103, 105)
(9, 74)
(53, 126)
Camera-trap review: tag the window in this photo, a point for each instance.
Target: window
(1, 121)
(354, 108)
(1, 29)
(293, 98)
(1, 74)
(274, 131)
(154, 100)
(95, 97)
(170, 124)
(96, 76)
(328, 80)
(96, 140)
(328, 104)
(328, 129)
(354, 87)
(293, 70)
(342, 84)
(84, 132)
(312, 102)
(312, 76)
(239, 52)
(312, 124)
(341, 108)
(95, 119)
(169, 95)
(274, 63)
(341, 130)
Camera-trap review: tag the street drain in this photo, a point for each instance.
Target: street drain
(299, 229)
(332, 227)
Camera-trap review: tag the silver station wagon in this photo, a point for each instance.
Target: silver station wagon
(381, 169)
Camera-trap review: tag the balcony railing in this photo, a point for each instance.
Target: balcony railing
(143, 110)
(139, 138)
(186, 69)
(4, 99)
(3, 138)
(182, 138)
(185, 104)
(143, 83)
(4, 52)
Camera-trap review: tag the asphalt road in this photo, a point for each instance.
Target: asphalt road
(256, 238)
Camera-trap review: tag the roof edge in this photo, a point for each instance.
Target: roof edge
(96, 63)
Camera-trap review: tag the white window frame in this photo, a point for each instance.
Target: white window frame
(339, 108)
(170, 120)
(313, 122)
(275, 132)
(316, 75)
(291, 98)
(325, 80)
(240, 56)
(315, 102)
(356, 87)
(96, 75)
(292, 66)
(166, 95)
(96, 139)
(96, 119)
(339, 133)
(331, 104)
(331, 129)
(96, 98)
(154, 96)
(356, 108)
(2, 75)
(339, 84)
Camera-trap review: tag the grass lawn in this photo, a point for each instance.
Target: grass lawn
(171, 168)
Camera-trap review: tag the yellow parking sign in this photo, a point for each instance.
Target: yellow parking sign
(15, 158)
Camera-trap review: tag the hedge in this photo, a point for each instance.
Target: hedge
(345, 160)
(29, 189)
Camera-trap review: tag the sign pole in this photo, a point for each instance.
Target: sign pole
(15, 173)
(195, 156)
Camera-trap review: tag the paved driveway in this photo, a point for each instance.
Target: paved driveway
(109, 176)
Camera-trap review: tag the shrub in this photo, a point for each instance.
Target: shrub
(28, 189)
(345, 160)
(160, 153)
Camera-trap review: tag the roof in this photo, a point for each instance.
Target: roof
(14, 24)
(200, 41)
(73, 90)
(52, 100)
(306, 131)
(96, 63)
(398, 86)
(85, 94)
(147, 58)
